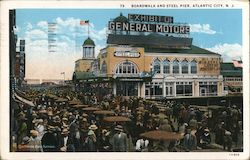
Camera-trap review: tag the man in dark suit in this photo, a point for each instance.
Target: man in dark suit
(119, 140)
(66, 142)
(49, 140)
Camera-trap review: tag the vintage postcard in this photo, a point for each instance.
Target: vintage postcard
(109, 79)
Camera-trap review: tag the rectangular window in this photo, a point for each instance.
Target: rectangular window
(208, 89)
(184, 90)
(166, 69)
(157, 69)
(193, 69)
(184, 70)
(176, 69)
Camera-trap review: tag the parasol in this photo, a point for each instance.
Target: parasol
(116, 119)
(105, 112)
(91, 109)
(52, 96)
(202, 108)
(74, 102)
(61, 100)
(215, 107)
(81, 106)
(161, 135)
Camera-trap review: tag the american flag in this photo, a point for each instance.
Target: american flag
(237, 64)
(84, 22)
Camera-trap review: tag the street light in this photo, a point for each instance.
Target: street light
(63, 77)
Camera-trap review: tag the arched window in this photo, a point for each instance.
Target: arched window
(176, 67)
(193, 67)
(157, 66)
(166, 66)
(184, 67)
(104, 67)
(126, 67)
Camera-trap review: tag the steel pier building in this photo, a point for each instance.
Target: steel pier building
(150, 63)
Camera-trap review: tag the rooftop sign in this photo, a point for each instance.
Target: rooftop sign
(149, 23)
(150, 18)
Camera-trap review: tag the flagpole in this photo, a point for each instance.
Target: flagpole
(88, 30)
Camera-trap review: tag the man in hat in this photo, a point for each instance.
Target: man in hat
(165, 126)
(104, 144)
(24, 147)
(39, 127)
(90, 142)
(227, 141)
(49, 141)
(205, 138)
(83, 129)
(22, 128)
(66, 142)
(190, 142)
(119, 140)
(35, 143)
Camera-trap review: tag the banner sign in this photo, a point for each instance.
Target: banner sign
(142, 27)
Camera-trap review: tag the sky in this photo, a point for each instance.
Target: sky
(217, 30)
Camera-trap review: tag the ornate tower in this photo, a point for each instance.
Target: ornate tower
(88, 49)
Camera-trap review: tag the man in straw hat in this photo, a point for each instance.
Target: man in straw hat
(119, 140)
(66, 142)
(35, 143)
(90, 142)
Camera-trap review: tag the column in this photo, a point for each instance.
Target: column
(164, 88)
(174, 89)
(219, 88)
(143, 90)
(84, 52)
(196, 89)
(138, 89)
(114, 88)
(193, 88)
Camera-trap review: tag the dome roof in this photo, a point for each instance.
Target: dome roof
(89, 41)
(121, 18)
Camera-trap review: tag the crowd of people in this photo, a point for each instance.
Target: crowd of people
(54, 125)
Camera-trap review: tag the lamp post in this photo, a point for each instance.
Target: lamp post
(63, 77)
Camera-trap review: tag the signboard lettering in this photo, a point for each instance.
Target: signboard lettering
(150, 18)
(133, 54)
(143, 27)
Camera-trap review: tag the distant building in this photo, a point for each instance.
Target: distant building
(232, 77)
(20, 64)
(12, 48)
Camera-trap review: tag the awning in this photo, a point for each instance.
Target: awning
(23, 100)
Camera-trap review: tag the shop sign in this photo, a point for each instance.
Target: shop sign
(133, 54)
(209, 65)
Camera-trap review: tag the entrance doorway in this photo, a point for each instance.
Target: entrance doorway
(169, 89)
(203, 91)
(127, 88)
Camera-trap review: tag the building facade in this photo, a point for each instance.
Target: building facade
(155, 65)
(232, 77)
